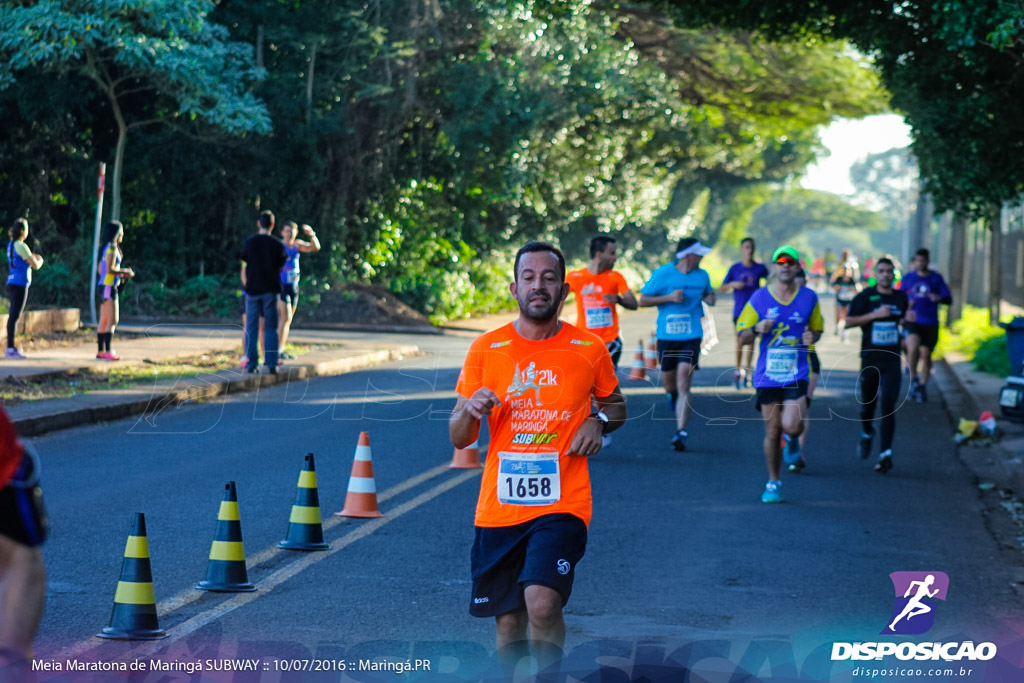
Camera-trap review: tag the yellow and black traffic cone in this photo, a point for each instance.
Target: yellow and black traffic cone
(305, 531)
(134, 614)
(226, 572)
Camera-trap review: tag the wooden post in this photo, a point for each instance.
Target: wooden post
(957, 267)
(995, 260)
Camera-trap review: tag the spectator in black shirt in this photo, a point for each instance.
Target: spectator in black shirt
(263, 257)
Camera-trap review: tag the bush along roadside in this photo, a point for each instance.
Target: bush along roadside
(973, 337)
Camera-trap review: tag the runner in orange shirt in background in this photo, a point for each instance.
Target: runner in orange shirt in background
(598, 289)
(534, 379)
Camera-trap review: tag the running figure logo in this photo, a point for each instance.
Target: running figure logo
(916, 593)
(527, 379)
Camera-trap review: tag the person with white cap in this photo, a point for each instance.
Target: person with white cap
(679, 290)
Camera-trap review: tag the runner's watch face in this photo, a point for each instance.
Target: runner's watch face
(599, 414)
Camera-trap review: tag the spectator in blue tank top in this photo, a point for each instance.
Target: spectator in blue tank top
(290, 278)
(743, 279)
(111, 278)
(21, 262)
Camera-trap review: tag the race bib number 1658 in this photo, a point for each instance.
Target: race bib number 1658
(528, 479)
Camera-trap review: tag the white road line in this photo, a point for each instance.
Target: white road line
(188, 596)
(281, 575)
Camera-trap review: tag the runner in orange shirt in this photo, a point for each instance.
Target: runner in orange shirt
(598, 289)
(534, 380)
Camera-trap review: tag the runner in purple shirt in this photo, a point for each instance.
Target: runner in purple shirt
(926, 290)
(743, 279)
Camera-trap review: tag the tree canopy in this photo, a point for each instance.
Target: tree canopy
(422, 139)
(952, 66)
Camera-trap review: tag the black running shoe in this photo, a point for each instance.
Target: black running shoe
(884, 463)
(864, 446)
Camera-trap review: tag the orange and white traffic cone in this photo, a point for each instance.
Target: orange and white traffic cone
(637, 371)
(361, 499)
(651, 353)
(467, 458)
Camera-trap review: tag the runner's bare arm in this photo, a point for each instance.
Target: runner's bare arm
(587, 439)
(626, 300)
(464, 423)
(674, 297)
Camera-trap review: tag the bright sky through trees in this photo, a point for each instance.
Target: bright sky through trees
(849, 141)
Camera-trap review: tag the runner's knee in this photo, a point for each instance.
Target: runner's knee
(544, 606)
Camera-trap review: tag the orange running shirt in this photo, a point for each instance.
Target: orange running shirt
(592, 312)
(545, 389)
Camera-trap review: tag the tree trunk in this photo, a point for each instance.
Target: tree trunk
(995, 260)
(309, 85)
(958, 280)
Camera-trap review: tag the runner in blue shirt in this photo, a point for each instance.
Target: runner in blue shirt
(926, 290)
(789, 321)
(679, 290)
(743, 279)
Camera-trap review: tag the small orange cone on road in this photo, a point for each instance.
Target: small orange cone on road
(226, 572)
(305, 530)
(361, 499)
(651, 353)
(637, 371)
(134, 614)
(467, 458)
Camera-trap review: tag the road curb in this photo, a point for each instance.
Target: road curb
(153, 399)
(994, 463)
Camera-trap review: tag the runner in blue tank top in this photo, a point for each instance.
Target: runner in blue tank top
(743, 279)
(789, 321)
(21, 262)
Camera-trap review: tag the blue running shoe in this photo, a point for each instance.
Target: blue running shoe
(671, 403)
(772, 492)
(679, 440)
(791, 453)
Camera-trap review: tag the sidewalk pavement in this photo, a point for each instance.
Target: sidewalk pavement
(967, 394)
(158, 343)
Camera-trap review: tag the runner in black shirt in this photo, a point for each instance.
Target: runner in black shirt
(879, 310)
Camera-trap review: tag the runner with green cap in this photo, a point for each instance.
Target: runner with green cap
(788, 318)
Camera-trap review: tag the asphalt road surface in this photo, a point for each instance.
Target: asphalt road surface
(681, 550)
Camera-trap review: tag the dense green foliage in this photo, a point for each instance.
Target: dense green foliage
(953, 68)
(978, 340)
(423, 140)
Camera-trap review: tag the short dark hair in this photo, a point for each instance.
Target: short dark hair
(531, 247)
(923, 252)
(19, 228)
(747, 239)
(885, 259)
(266, 220)
(599, 244)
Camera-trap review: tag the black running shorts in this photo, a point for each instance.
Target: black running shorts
(671, 353)
(780, 394)
(928, 334)
(506, 560)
